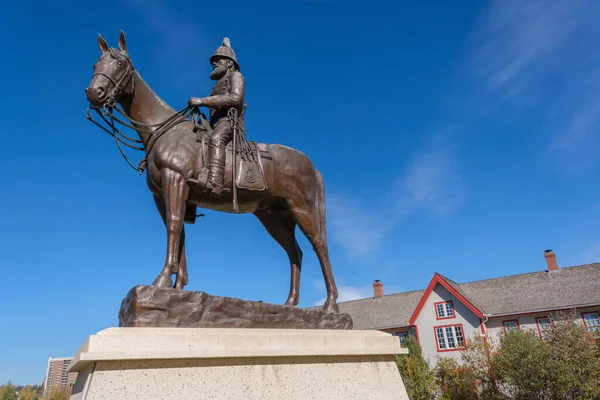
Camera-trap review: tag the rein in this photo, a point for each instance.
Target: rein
(155, 130)
(106, 114)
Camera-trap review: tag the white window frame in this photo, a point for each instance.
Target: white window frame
(449, 337)
(595, 327)
(542, 328)
(446, 308)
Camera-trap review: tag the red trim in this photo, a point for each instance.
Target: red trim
(437, 344)
(435, 280)
(588, 312)
(511, 320)
(403, 329)
(539, 312)
(437, 317)
(538, 324)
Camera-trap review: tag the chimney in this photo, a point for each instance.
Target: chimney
(377, 289)
(551, 260)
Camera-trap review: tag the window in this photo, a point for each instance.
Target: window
(543, 324)
(511, 324)
(444, 309)
(449, 337)
(591, 320)
(402, 336)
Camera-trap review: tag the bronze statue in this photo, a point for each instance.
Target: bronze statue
(227, 94)
(279, 185)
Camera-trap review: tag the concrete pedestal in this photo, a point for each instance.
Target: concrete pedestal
(221, 363)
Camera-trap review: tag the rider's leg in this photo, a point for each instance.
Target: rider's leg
(221, 135)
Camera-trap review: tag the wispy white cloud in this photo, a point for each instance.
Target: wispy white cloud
(348, 293)
(590, 254)
(431, 183)
(355, 226)
(180, 45)
(518, 40)
(545, 52)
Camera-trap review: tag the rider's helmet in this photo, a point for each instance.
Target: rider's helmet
(226, 51)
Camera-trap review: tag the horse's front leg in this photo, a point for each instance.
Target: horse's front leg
(182, 274)
(174, 194)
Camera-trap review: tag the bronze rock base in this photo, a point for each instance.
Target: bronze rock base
(153, 306)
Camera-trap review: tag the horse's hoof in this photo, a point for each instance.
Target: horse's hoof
(290, 303)
(331, 307)
(163, 281)
(179, 285)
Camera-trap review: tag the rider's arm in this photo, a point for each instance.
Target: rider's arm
(235, 97)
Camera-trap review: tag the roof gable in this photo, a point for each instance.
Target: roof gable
(452, 287)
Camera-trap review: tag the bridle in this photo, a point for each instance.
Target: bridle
(124, 80)
(155, 130)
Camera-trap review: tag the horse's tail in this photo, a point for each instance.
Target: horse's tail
(320, 208)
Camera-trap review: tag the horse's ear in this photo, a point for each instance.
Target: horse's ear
(122, 42)
(102, 44)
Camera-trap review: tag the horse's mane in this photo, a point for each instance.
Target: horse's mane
(116, 54)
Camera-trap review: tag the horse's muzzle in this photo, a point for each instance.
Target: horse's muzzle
(95, 95)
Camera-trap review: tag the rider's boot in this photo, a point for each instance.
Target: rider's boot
(216, 169)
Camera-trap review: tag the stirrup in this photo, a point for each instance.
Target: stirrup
(214, 189)
(199, 184)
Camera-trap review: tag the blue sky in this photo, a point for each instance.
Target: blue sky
(453, 137)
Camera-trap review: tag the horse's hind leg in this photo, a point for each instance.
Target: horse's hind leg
(310, 217)
(281, 226)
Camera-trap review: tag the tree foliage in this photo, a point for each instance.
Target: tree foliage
(30, 392)
(60, 394)
(455, 381)
(415, 371)
(8, 392)
(563, 365)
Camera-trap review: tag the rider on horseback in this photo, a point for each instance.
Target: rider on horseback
(226, 94)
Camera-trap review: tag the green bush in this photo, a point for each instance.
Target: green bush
(8, 392)
(564, 365)
(416, 373)
(455, 381)
(522, 365)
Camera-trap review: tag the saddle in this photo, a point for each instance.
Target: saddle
(249, 172)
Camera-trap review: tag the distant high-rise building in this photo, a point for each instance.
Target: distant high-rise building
(57, 378)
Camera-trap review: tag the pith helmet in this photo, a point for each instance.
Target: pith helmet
(226, 51)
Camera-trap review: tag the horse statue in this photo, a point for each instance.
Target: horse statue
(292, 193)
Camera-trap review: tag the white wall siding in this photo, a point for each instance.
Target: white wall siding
(427, 321)
(495, 326)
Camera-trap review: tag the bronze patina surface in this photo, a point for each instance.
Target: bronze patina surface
(207, 163)
(153, 306)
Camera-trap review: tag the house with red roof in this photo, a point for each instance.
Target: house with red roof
(442, 315)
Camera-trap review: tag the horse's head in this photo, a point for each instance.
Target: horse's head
(113, 74)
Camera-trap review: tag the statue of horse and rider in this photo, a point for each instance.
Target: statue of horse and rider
(276, 183)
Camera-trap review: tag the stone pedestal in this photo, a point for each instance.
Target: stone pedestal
(237, 363)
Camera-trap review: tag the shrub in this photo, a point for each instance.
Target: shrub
(415, 371)
(522, 365)
(563, 365)
(456, 382)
